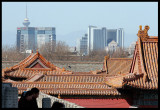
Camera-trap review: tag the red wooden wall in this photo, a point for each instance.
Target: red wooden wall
(101, 103)
(37, 65)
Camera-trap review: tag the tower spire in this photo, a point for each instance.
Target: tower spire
(26, 20)
(26, 10)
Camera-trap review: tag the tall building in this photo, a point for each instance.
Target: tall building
(120, 37)
(115, 34)
(96, 38)
(99, 38)
(45, 35)
(82, 45)
(32, 38)
(111, 35)
(89, 38)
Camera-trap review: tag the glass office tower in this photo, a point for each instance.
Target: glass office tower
(32, 38)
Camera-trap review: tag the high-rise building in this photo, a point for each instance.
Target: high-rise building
(82, 45)
(90, 39)
(111, 35)
(99, 38)
(45, 35)
(115, 34)
(120, 37)
(32, 38)
(96, 38)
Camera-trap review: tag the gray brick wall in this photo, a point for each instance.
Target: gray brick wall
(9, 96)
(75, 66)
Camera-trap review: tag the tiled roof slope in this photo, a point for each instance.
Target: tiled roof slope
(68, 88)
(53, 80)
(73, 78)
(144, 68)
(147, 63)
(112, 66)
(32, 65)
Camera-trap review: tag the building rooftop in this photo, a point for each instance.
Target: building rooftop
(143, 71)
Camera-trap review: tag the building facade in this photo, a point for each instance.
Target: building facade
(96, 38)
(32, 38)
(112, 46)
(115, 34)
(99, 38)
(82, 45)
(90, 39)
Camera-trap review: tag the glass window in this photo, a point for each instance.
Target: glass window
(146, 96)
(153, 102)
(146, 102)
(18, 31)
(41, 31)
(24, 32)
(31, 32)
(156, 96)
(141, 102)
(48, 31)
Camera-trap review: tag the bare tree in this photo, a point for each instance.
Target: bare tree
(119, 53)
(61, 50)
(10, 53)
(97, 55)
(47, 51)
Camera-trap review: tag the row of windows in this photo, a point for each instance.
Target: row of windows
(33, 32)
(145, 102)
(150, 96)
(45, 32)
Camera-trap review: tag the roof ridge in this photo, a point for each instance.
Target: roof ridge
(141, 60)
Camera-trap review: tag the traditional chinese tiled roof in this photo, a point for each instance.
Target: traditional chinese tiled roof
(73, 78)
(112, 66)
(68, 88)
(143, 71)
(146, 62)
(32, 65)
(53, 80)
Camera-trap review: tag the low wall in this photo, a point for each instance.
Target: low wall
(68, 65)
(53, 99)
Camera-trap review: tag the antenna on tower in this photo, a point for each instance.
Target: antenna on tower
(26, 20)
(26, 10)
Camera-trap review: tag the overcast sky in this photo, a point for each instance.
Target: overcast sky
(72, 17)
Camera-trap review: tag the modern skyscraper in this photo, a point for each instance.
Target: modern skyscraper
(82, 45)
(115, 34)
(45, 35)
(90, 39)
(120, 37)
(99, 38)
(32, 38)
(96, 38)
(111, 35)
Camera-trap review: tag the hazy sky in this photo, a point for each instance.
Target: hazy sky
(72, 17)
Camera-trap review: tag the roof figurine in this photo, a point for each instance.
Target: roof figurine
(59, 96)
(143, 34)
(37, 52)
